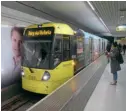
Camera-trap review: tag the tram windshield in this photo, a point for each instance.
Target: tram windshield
(36, 54)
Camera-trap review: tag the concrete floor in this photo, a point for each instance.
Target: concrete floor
(107, 97)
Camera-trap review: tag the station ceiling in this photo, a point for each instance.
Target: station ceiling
(113, 14)
(101, 20)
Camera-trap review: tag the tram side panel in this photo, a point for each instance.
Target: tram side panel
(105, 44)
(102, 46)
(96, 48)
(90, 48)
(79, 52)
(93, 48)
(87, 50)
(101, 50)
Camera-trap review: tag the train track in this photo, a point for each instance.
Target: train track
(21, 102)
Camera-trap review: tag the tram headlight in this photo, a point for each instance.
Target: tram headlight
(46, 76)
(22, 73)
(96, 53)
(73, 63)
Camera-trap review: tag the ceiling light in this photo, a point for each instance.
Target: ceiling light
(98, 15)
(123, 10)
(91, 5)
(104, 24)
(121, 28)
(122, 16)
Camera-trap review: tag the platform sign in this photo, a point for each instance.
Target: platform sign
(123, 38)
(121, 28)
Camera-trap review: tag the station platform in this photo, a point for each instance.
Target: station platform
(108, 97)
(90, 90)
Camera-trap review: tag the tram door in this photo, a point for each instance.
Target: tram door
(84, 48)
(99, 45)
(80, 52)
(102, 46)
(66, 48)
(66, 52)
(87, 51)
(91, 48)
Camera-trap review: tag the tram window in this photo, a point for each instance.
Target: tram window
(66, 48)
(79, 46)
(57, 58)
(57, 46)
(74, 47)
(36, 54)
(102, 45)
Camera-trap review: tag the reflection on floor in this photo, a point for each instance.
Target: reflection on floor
(107, 97)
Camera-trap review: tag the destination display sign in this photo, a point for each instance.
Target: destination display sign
(40, 32)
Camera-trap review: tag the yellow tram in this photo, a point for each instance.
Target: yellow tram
(50, 56)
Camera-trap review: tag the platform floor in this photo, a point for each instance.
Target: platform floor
(107, 97)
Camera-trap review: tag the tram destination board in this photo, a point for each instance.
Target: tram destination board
(39, 33)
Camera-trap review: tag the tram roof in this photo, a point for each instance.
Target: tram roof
(60, 28)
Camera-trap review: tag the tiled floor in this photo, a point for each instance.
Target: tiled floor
(107, 97)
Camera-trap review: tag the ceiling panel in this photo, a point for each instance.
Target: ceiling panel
(76, 13)
(110, 12)
(14, 17)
